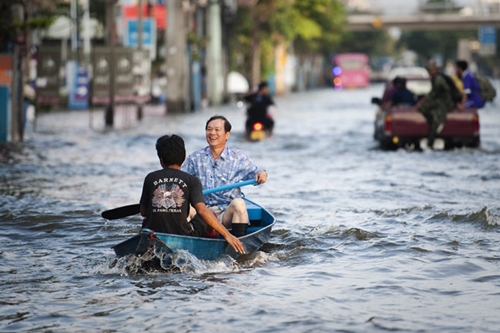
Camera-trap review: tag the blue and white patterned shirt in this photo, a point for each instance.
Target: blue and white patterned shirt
(232, 166)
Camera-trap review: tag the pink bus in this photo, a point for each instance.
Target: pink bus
(350, 70)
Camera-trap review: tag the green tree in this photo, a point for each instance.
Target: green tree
(323, 26)
(311, 26)
(428, 43)
(374, 42)
(97, 9)
(19, 17)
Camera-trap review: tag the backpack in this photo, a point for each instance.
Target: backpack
(456, 95)
(488, 92)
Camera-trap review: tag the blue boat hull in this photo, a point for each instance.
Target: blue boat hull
(259, 231)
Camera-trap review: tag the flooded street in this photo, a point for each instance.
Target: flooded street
(365, 240)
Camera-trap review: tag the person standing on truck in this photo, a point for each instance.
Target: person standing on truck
(437, 103)
(471, 86)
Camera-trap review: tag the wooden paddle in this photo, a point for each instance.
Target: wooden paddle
(120, 212)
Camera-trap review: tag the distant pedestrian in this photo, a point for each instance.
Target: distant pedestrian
(471, 86)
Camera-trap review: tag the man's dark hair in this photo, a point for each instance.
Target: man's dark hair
(398, 80)
(227, 124)
(171, 149)
(262, 85)
(403, 82)
(462, 64)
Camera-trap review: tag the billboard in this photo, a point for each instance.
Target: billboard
(5, 70)
(48, 79)
(157, 12)
(121, 73)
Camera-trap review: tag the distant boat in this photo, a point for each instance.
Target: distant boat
(258, 233)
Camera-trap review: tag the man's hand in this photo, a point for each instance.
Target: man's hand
(261, 177)
(236, 244)
(210, 218)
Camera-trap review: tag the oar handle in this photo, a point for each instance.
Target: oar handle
(230, 186)
(129, 210)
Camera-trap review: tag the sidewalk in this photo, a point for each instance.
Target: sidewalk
(125, 116)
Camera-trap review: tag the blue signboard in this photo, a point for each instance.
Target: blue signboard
(488, 40)
(148, 35)
(487, 34)
(79, 96)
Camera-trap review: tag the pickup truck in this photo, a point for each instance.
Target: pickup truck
(403, 126)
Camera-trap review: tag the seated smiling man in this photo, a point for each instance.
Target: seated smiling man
(217, 165)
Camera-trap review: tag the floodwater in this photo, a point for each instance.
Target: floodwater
(365, 240)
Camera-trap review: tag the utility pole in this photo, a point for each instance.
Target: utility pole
(19, 12)
(139, 24)
(178, 97)
(86, 32)
(139, 47)
(214, 69)
(111, 41)
(74, 29)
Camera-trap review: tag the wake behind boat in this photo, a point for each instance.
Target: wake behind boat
(258, 233)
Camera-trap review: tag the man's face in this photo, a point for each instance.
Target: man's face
(215, 133)
(432, 71)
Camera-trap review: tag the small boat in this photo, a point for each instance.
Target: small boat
(258, 233)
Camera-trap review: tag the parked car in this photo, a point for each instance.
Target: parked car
(404, 126)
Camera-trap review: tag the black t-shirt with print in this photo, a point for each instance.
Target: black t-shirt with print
(168, 194)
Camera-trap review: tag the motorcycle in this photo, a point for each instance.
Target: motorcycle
(256, 131)
(259, 129)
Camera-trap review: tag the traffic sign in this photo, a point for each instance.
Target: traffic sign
(79, 94)
(488, 40)
(148, 35)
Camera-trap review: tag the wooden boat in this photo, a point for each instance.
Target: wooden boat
(258, 233)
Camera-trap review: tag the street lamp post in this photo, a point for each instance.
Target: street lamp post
(109, 115)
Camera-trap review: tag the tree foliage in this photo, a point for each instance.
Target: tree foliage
(97, 9)
(428, 43)
(330, 17)
(374, 42)
(18, 17)
(311, 26)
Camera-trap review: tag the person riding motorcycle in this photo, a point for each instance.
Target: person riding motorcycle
(258, 111)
